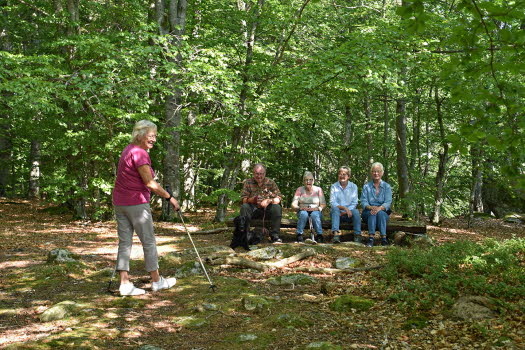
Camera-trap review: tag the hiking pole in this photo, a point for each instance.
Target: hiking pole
(212, 286)
(311, 228)
(112, 277)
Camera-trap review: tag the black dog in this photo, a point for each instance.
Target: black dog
(240, 234)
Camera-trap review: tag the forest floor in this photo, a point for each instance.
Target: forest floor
(191, 315)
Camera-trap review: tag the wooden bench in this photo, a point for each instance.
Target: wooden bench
(392, 225)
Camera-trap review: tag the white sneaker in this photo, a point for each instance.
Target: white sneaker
(163, 283)
(130, 289)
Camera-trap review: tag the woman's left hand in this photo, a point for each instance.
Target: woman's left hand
(175, 204)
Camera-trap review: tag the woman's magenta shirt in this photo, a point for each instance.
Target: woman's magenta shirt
(129, 187)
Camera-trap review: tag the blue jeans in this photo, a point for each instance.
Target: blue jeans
(302, 219)
(335, 213)
(376, 222)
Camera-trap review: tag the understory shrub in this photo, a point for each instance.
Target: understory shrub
(420, 279)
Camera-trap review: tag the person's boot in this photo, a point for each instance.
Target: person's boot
(358, 239)
(337, 237)
(300, 239)
(384, 241)
(274, 238)
(319, 238)
(370, 242)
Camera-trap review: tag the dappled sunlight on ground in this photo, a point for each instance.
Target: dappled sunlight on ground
(28, 286)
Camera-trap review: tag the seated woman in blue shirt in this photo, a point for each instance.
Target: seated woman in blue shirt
(376, 199)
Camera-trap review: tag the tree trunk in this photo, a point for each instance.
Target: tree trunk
(348, 137)
(190, 174)
(443, 158)
(476, 201)
(386, 122)
(369, 132)
(229, 175)
(401, 148)
(477, 175)
(5, 160)
(171, 20)
(416, 125)
(34, 174)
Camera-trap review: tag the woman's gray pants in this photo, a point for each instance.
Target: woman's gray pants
(135, 218)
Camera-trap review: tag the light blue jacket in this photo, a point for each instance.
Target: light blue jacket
(369, 197)
(345, 197)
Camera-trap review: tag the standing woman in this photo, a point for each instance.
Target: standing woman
(309, 201)
(376, 199)
(131, 197)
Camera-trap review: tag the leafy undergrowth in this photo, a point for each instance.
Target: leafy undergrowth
(405, 305)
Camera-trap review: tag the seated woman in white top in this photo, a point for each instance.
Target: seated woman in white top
(309, 201)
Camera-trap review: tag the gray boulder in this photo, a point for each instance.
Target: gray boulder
(60, 255)
(60, 311)
(266, 253)
(190, 268)
(346, 263)
(247, 337)
(254, 303)
(474, 308)
(515, 218)
(420, 241)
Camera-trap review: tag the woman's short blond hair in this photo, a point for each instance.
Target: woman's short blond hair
(141, 128)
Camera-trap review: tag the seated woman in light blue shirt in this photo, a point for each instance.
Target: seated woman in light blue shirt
(343, 201)
(376, 199)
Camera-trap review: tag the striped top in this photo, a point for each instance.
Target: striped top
(313, 200)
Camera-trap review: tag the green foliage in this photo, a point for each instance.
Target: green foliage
(422, 278)
(295, 100)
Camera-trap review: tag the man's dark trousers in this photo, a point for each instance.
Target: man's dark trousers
(273, 212)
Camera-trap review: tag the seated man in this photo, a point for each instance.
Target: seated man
(261, 198)
(343, 201)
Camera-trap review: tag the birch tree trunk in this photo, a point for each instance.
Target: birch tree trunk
(34, 173)
(190, 173)
(171, 21)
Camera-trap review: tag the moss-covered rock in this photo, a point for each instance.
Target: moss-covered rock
(255, 303)
(351, 302)
(191, 321)
(61, 310)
